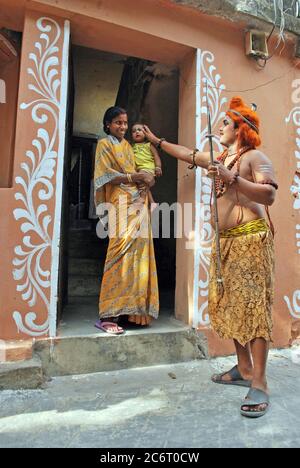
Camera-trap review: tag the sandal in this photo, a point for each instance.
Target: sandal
(255, 397)
(109, 327)
(235, 376)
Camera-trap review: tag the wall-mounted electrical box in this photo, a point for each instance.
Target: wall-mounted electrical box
(256, 44)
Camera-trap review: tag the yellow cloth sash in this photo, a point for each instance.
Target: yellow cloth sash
(242, 308)
(258, 225)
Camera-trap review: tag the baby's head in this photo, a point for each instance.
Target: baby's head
(137, 133)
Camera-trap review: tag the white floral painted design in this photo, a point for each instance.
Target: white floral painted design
(37, 185)
(294, 303)
(206, 73)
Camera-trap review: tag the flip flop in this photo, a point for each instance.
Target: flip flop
(255, 397)
(109, 327)
(235, 376)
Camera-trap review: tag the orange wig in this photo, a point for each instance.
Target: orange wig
(247, 121)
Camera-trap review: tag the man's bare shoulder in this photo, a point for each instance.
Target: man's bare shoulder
(257, 156)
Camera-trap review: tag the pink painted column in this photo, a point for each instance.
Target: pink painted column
(30, 227)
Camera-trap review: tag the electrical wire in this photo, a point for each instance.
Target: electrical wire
(225, 90)
(278, 4)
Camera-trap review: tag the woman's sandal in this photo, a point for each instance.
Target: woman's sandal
(235, 378)
(109, 327)
(254, 398)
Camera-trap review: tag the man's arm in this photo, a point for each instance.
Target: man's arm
(263, 177)
(179, 152)
(263, 188)
(202, 159)
(263, 194)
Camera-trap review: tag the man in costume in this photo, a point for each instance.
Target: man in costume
(240, 308)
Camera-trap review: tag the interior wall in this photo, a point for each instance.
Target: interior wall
(160, 112)
(149, 92)
(97, 77)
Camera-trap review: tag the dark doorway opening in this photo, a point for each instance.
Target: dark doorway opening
(149, 91)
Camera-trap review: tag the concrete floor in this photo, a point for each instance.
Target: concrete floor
(81, 314)
(158, 407)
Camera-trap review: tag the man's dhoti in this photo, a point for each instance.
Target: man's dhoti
(242, 308)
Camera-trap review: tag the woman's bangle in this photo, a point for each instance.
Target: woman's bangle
(158, 146)
(193, 155)
(129, 178)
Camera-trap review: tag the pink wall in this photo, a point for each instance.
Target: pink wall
(171, 34)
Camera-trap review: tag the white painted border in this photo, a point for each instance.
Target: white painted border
(293, 303)
(198, 190)
(206, 71)
(56, 240)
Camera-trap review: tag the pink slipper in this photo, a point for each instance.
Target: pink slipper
(109, 327)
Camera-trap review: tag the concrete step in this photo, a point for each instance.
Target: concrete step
(81, 235)
(25, 375)
(102, 352)
(86, 266)
(88, 250)
(84, 285)
(86, 244)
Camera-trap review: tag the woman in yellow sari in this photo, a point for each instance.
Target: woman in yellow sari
(129, 285)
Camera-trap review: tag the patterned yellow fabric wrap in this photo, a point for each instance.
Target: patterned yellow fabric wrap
(143, 156)
(129, 285)
(241, 309)
(252, 227)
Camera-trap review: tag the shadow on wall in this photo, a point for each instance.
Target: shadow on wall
(97, 76)
(150, 93)
(10, 46)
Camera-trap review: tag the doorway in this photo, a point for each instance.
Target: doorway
(149, 91)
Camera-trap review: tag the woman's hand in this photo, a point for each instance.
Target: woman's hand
(148, 179)
(219, 170)
(150, 136)
(141, 178)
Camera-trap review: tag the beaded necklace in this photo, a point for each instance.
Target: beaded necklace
(220, 184)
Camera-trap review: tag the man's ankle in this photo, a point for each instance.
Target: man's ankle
(246, 370)
(260, 382)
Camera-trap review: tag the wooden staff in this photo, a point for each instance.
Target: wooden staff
(210, 137)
